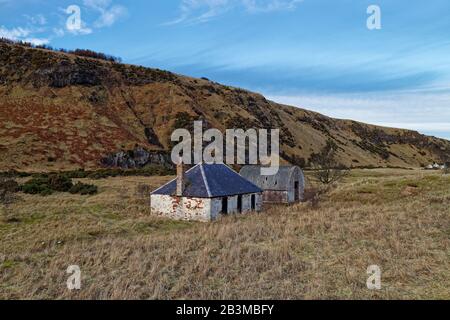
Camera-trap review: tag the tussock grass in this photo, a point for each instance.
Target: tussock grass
(397, 219)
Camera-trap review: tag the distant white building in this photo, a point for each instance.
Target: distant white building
(205, 192)
(436, 166)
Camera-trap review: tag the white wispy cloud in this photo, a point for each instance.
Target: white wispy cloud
(421, 111)
(270, 5)
(22, 34)
(37, 41)
(31, 30)
(37, 19)
(84, 30)
(59, 32)
(109, 12)
(198, 11)
(14, 33)
(34, 26)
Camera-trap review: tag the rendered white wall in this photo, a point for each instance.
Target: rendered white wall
(182, 208)
(199, 209)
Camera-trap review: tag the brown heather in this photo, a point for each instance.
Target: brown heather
(62, 112)
(397, 219)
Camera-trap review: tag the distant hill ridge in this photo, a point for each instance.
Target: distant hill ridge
(61, 111)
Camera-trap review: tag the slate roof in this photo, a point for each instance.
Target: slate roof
(282, 181)
(210, 181)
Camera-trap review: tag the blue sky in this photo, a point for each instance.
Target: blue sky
(315, 54)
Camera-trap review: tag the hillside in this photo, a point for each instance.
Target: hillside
(60, 111)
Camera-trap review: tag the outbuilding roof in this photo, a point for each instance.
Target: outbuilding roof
(278, 182)
(210, 181)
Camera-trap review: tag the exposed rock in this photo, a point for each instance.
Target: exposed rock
(137, 158)
(152, 138)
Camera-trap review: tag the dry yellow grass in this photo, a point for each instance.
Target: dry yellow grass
(397, 219)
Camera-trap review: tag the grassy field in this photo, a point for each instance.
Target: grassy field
(397, 219)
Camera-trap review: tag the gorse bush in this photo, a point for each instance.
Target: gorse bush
(83, 189)
(35, 187)
(38, 185)
(14, 174)
(147, 171)
(60, 183)
(48, 184)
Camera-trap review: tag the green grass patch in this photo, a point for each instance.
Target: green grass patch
(8, 264)
(161, 225)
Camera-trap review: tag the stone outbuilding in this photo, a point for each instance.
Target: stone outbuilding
(205, 192)
(287, 186)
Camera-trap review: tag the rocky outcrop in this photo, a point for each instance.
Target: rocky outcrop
(137, 158)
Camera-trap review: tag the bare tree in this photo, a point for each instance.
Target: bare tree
(327, 169)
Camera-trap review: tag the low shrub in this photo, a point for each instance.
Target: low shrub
(45, 185)
(9, 185)
(34, 187)
(14, 174)
(60, 183)
(147, 171)
(83, 189)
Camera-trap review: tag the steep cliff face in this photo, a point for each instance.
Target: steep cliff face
(60, 111)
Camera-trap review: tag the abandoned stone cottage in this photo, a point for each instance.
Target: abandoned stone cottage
(287, 186)
(204, 192)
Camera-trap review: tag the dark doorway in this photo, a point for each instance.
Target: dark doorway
(225, 205)
(253, 202)
(239, 204)
(296, 191)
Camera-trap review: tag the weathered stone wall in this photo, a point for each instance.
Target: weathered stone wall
(291, 195)
(199, 209)
(247, 202)
(232, 205)
(181, 208)
(273, 196)
(216, 208)
(259, 202)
